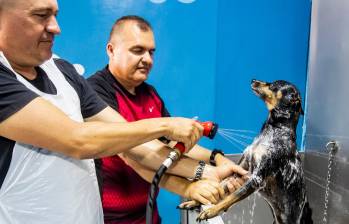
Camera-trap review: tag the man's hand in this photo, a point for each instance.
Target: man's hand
(224, 170)
(227, 167)
(235, 176)
(232, 183)
(205, 191)
(184, 130)
(211, 173)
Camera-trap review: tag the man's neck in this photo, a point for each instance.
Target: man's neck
(28, 72)
(129, 88)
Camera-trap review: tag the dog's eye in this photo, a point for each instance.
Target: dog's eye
(273, 88)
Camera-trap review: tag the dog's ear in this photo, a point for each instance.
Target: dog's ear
(298, 106)
(301, 110)
(297, 103)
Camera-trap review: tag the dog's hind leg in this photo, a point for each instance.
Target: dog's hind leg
(247, 189)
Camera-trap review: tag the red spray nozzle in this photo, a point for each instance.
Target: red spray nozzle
(210, 130)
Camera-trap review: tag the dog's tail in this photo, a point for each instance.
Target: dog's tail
(306, 214)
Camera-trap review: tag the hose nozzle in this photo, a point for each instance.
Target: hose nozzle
(210, 129)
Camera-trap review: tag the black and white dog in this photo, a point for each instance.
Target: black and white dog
(272, 159)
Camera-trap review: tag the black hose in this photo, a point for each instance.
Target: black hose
(154, 187)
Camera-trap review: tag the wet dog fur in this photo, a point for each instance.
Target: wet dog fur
(272, 159)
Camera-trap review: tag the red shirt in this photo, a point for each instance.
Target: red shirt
(124, 192)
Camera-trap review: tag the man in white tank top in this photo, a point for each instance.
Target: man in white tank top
(52, 124)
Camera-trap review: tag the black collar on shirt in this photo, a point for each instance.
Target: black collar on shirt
(116, 84)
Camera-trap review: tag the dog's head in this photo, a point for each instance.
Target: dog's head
(282, 98)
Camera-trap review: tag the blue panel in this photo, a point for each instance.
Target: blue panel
(262, 40)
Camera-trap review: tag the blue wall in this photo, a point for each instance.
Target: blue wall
(266, 40)
(207, 53)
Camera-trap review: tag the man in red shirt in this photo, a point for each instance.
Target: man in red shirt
(122, 85)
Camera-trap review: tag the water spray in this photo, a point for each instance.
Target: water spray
(210, 130)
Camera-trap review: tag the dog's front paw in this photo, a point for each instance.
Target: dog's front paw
(208, 213)
(189, 205)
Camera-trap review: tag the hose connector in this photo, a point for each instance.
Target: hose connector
(173, 156)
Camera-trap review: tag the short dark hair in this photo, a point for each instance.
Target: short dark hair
(142, 23)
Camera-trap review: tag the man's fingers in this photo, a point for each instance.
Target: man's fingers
(197, 133)
(237, 184)
(245, 177)
(240, 170)
(234, 184)
(221, 192)
(218, 188)
(184, 130)
(209, 196)
(211, 193)
(200, 129)
(231, 187)
(202, 200)
(240, 181)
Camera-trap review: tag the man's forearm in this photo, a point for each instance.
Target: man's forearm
(175, 184)
(199, 153)
(152, 155)
(106, 139)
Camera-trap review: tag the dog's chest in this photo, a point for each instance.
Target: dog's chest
(258, 150)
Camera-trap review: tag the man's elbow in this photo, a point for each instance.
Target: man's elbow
(84, 147)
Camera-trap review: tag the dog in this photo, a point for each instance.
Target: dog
(272, 159)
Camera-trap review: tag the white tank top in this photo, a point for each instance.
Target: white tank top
(44, 187)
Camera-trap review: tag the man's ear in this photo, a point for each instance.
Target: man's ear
(110, 49)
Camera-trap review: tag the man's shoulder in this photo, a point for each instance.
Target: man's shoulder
(5, 71)
(97, 76)
(67, 69)
(64, 64)
(101, 78)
